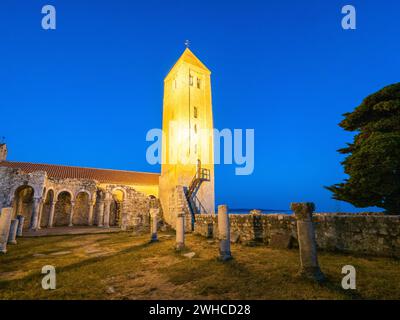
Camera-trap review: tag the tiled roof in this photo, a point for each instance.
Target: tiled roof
(101, 175)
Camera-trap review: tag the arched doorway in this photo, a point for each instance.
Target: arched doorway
(116, 208)
(63, 209)
(23, 203)
(81, 209)
(45, 215)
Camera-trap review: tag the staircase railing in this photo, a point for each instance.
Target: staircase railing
(202, 174)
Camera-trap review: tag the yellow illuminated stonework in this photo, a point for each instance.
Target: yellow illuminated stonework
(187, 133)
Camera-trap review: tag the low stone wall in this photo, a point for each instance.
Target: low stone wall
(369, 234)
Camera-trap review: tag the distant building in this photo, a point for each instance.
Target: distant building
(55, 195)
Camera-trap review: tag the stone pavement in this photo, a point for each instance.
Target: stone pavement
(58, 231)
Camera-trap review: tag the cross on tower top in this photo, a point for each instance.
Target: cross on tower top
(187, 43)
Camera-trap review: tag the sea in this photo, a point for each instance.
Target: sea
(262, 211)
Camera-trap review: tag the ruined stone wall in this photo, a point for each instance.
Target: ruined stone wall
(62, 210)
(135, 211)
(352, 233)
(132, 212)
(12, 179)
(81, 210)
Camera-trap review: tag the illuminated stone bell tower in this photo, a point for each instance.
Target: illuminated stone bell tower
(187, 171)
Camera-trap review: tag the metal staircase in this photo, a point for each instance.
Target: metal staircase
(202, 174)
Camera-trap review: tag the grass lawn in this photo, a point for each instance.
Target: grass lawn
(124, 266)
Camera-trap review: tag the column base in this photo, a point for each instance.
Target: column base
(225, 256)
(70, 225)
(312, 273)
(154, 238)
(179, 246)
(12, 242)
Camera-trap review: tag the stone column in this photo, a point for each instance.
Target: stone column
(5, 222)
(154, 223)
(180, 231)
(40, 214)
(52, 211)
(224, 233)
(35, 213)
(107, 204)
(90, 215)
(309, 267)
(13, 232)
(101, 213)
(71, 215)
(123, 216)
(21, 220)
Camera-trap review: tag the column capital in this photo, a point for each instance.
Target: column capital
(303, 210)
(37, 199)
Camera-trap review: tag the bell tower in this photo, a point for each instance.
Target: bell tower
(3, 152)
(187, 171)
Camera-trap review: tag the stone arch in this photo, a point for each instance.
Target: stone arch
(64, 190)
(23, 203)
(63, 208)
(81, 208)
(119, 189)
(46, 193)
(89, 194)
(46, 208)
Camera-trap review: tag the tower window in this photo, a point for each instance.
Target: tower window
(195, 128)
(195, 112)
(191, 80)
(175, 84)
(195, 148)
(198, 83)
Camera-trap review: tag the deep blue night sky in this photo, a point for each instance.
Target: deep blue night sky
(87, 93)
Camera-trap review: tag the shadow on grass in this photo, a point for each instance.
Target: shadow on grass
(4, 284)
(333, 286)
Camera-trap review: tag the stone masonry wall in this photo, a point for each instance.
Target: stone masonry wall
(133, 210)
(368, 234)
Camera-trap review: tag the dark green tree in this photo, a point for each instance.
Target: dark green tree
(373, 159)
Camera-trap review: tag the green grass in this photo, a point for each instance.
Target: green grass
(122, 266)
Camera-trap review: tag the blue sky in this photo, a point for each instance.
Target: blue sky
(86, 93)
